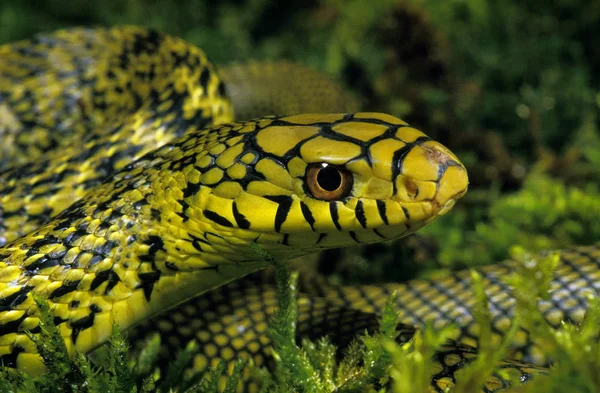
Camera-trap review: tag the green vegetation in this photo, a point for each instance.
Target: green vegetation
(544, 214)
(376, 363)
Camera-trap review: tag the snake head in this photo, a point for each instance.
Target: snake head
(301, 183)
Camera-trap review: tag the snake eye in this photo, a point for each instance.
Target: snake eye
(328, 182)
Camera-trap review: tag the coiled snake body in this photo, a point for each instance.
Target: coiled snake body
(126, 190)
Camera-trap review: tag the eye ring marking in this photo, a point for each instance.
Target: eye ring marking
(328, 182)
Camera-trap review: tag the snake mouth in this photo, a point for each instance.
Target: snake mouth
(452, 186)
(446, 207)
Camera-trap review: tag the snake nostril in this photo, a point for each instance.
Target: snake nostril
(412, 190)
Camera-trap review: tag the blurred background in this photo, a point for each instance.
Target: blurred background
(512, 87)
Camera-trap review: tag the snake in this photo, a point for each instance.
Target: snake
(127, 189)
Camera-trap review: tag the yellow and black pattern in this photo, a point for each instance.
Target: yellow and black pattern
(180, 220)
(450, 299)
(235, 320)
(235, 317)
(75, 81)
(92, 100)
(456, 356)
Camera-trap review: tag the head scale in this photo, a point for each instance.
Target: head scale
(302, 183)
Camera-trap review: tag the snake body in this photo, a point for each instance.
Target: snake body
(238, 314)
(138, 193)
(180, 220)
(62, 86)
(84, 103)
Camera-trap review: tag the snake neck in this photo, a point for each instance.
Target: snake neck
(96, 271)
(126, 251)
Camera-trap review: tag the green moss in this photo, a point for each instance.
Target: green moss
(313, 366)
(574, 348)
(375, 363)
(544, 214)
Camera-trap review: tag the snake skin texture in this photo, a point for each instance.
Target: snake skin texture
(450, 299)
(181, 219)
(92, 101)
(245, 306)
(62, 86)
(235, 320)
(263, 88)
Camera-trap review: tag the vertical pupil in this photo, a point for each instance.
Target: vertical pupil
(329, 179)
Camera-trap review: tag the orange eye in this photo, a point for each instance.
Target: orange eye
(328, 182)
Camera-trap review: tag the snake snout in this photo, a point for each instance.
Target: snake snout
(452, 181)
(430, 172)
(429, 182)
